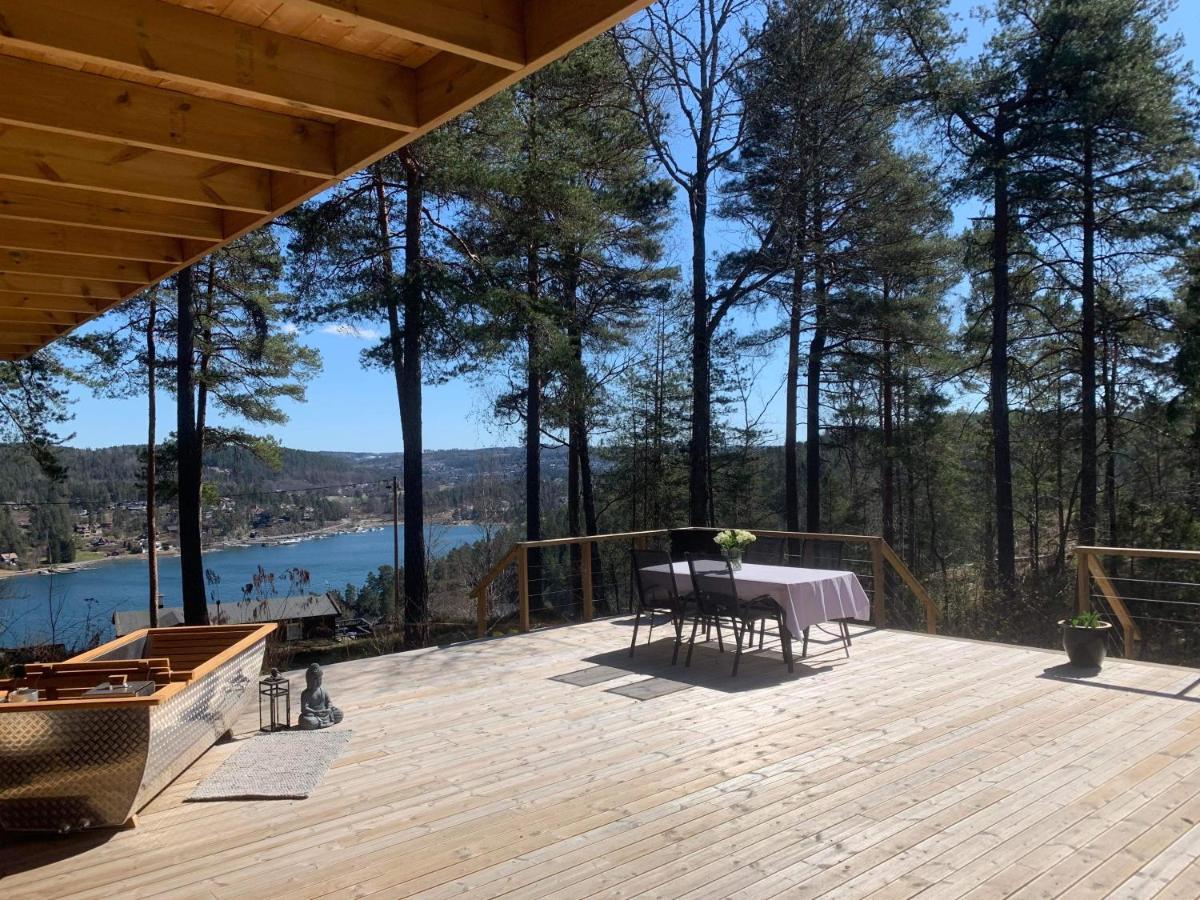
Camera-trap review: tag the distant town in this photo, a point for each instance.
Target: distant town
(95, 514)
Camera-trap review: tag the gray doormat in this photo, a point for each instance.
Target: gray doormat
(591, 675)
(285, 765)
(649, 689)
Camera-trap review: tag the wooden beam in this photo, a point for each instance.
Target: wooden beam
(68, 206)
(60, 100)
(490, 31)
(1142, 552)
(878, 585)
(15, 300)
(585, 579)
(35, 262)
(39, 315)
(1116, 603)
(553, 28)
(206, 51)
(523, 586)
(39, 156)
(68, 288)
(918, 589)
(23, 330)
(448, 85)
(16, 235)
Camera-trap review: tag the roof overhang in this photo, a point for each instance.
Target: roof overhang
(136, 136)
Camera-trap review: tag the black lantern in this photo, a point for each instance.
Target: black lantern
(274, 703)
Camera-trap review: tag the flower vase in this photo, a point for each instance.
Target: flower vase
(734, 556)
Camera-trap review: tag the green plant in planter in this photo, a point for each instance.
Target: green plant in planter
(1085, 638)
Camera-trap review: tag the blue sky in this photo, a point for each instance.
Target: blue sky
(349, 408)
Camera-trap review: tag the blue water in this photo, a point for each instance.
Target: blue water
(84, 601)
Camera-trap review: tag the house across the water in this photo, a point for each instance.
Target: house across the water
(311, 615)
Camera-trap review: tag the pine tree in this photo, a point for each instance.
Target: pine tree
(565, 221)
(370, 253)
(234, 359)
(683, 61)
(821, 92)
(1112, 180)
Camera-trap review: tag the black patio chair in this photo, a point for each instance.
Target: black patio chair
(657, 593)
(717, 598)
(818, 554)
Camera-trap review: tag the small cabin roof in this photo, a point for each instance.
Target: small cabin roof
(234, 612)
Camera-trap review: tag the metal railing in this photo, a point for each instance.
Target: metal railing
(571, 579)
(1147, 593)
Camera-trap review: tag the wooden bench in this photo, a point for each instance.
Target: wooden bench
(62, 680)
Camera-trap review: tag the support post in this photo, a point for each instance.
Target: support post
(585, 560)
(396, 546)
(1083, 594)
(481, 611)
(523, 585)
(878, 610)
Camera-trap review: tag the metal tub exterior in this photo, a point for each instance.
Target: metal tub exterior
(93, 767)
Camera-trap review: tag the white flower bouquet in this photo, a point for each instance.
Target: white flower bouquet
(732, 542)
(734, 539)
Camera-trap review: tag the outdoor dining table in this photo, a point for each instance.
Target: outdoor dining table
(807, 596)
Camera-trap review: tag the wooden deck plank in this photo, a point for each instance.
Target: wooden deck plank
(919, 766)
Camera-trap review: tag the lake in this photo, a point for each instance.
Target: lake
(86, 599)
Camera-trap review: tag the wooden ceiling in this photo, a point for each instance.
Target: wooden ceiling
(138, 135)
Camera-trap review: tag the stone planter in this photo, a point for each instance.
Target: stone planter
(1086, 647)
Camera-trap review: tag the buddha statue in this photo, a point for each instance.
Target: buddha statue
(316, 707)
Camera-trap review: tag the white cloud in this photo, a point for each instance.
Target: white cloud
(290, 328)
(353, 331)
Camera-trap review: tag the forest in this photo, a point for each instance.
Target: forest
(967, 271)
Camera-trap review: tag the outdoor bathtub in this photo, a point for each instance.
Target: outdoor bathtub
(69, 762)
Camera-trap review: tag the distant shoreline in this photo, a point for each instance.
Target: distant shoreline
(224, 544)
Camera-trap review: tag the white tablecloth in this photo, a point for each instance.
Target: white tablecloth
(808, 596)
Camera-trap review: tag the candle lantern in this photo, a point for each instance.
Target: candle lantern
(274, 702)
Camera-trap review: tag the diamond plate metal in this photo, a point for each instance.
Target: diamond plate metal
(188, 724)
(68, 769)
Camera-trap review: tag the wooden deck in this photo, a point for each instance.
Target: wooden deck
(920, 766)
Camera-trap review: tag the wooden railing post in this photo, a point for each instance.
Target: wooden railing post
(523, 585)
(585, 572)
(879, 584)
(906, 575)
(481, 609)
(1129, 629)
(1083, 576)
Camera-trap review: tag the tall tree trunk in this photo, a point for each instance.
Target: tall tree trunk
(998, 395)
(189, 458)
(791, 461)
(1111, 363)
(416, 585)
(151, 450)
(405, 343)
(1060, 486)
(887, 471)
(387, 276)
(700, 449)
(533, 426)
(816, 362)
(576, 402)
(1087, 355)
